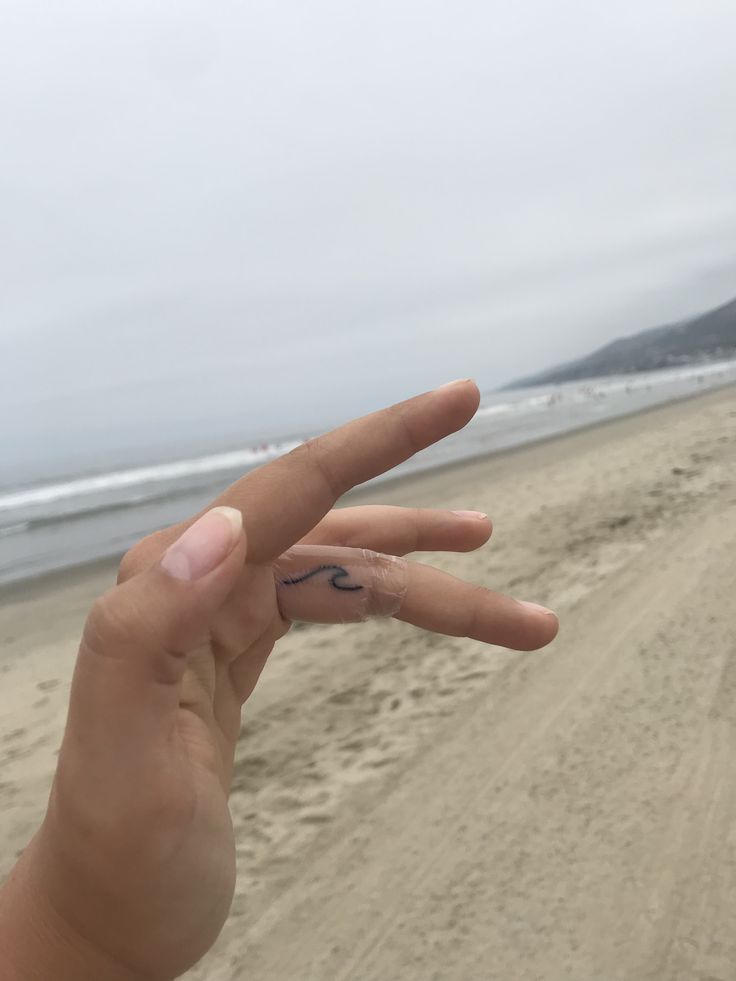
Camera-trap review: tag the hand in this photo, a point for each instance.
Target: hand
(132, 873)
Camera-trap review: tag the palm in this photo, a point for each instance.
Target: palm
(222, 671)
(220, 675)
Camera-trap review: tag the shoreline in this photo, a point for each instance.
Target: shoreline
(535, 442)
(386, 490)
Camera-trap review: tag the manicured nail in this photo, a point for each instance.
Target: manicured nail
(480, 515)
(458, 381)
(204, 545)
(536, 608)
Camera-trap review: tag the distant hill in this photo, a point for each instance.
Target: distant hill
(707, 337)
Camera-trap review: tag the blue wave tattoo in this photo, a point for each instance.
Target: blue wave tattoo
(337, 573)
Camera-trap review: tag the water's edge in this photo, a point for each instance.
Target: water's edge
(13, 589)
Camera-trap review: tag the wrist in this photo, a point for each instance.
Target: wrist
(36, 941)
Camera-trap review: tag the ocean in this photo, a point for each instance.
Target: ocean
(64, 522)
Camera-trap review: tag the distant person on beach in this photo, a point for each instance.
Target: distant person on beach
(132, 873)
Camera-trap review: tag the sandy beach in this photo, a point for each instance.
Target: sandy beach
(410, 806)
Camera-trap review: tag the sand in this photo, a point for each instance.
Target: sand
(410, 806)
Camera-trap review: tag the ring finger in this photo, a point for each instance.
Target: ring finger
(398, 530)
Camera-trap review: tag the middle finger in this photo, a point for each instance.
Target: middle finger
(398, 530)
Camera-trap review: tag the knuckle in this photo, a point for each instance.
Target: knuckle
(141, 555)
(402, 421)
(315, 457)
(389, 583)
(121, 628)
(415, 530)
(129, 564)
(106, 626)
(250, 619)
(477, 599)
(346, 527)
(478, 595)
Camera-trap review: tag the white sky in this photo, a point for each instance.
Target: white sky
(220, 220)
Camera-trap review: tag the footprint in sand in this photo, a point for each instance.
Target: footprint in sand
(48, 685)
(315, 818)
(13, 735)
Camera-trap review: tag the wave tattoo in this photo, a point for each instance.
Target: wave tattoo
(341, 584)
(338, 573)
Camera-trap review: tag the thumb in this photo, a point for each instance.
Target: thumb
(137, 636)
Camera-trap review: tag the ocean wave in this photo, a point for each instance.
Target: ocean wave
(14, 529)
(59, 500)
(138, 477)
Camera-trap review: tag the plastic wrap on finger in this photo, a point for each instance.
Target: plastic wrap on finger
(335, 584)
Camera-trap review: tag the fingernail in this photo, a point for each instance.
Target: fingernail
(536, 608)
(480, 515)
(204, 545)
(458, 381)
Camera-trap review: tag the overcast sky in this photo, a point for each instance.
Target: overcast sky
(220, 220)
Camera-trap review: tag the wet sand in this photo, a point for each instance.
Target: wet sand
(419, 807)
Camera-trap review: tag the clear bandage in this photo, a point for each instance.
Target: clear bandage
(335, 584)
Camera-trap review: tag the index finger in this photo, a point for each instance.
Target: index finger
(284, 500)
